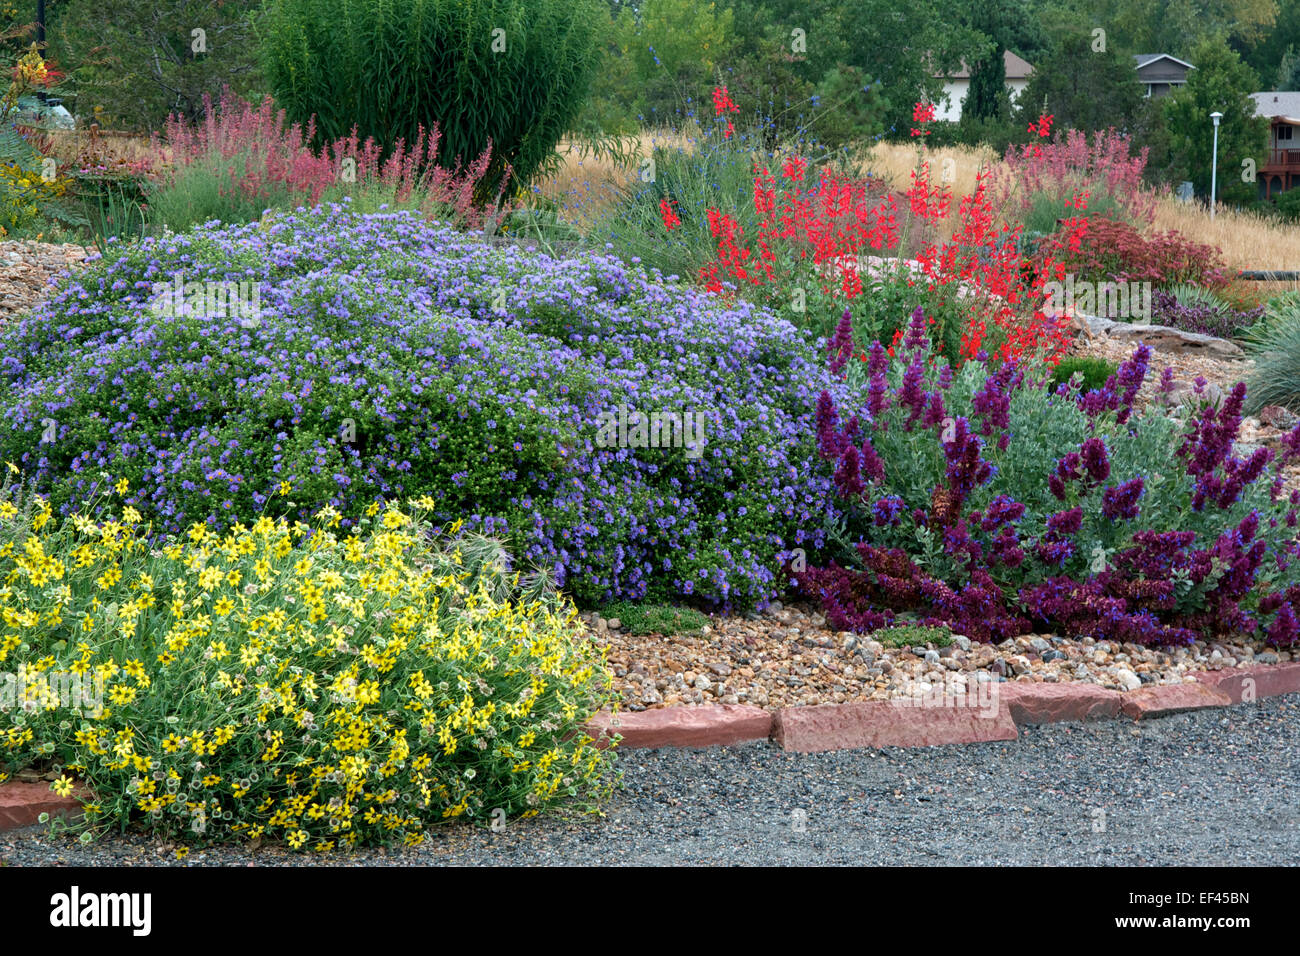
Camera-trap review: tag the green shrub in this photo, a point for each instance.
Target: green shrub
(1092, 372)
(1047, 208)
(363, 358)
(655, 618)
(292, 683)
(912, 635)
(882, 312)
(1274, 343)
(511, 74)
(1287, 205)
(1196, 296)
(1283, 307)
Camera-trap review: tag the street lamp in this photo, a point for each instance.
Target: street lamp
(1214, 164)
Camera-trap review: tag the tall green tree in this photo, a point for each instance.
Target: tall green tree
(660, 59)
(1085, 88)
(1267, 54)
(1177, 26)
(903, 48)
(1288, 71)
(987, 97)
(140, 60)
(1008, 25)
(1221, 82)
(509, 74)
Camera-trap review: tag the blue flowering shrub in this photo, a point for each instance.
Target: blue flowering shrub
(326, 358)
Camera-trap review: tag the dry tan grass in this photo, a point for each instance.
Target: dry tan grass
(1247, 240)
(957, 165)
(585, 186)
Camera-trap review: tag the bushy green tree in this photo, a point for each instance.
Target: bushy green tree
(1221, 82)
(130, 63)
(1007, 25)
(512, 74)
(1085, 88)
(1177, 26)
(897, 48)
(1267, 54)
(1288, 71)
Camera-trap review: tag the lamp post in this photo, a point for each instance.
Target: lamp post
(1214, 163)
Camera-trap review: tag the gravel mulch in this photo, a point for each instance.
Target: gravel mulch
(1212, 788)
(789, 656)
(26, 269)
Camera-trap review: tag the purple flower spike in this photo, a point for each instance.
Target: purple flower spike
(841, 344)
(918, 336)
(1095, 460)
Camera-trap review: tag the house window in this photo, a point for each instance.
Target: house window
(1284, 133)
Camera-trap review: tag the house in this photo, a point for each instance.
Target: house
(1281, 169)
(1160, 72)
(957, 85)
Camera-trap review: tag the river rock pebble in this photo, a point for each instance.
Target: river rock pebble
(796, 660)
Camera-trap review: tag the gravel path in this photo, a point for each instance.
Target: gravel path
(1211, 788)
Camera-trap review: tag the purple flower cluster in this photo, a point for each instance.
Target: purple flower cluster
(964, 525)
(1121, 389)
(396, 357)
(1208, 319)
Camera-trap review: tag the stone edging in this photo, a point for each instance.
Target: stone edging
(22, 803)
(857, 724)
(887, 723)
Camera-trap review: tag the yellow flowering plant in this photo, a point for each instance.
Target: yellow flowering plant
(30, 184)
(292, 682)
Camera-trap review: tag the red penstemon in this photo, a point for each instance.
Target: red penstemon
(922, 113)
(839, 221)
(722, 105)
(669, 216)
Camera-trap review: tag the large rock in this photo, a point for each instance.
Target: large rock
(714, 725)
(1053, 703)
(887, 723)
(1161, 337)
(1252, 682)
(1162, 700)
(21, 804)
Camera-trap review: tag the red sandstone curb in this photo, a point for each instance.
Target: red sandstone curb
(21, 804)
(892, 724)
(1246, 684)
(887, 723)
(1161, 700)
(719, 725)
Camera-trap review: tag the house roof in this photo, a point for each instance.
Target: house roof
(1017, 69)
(1145, 58)
(1277, 104)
